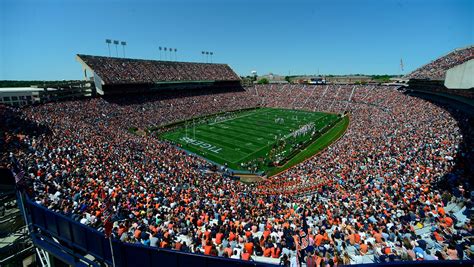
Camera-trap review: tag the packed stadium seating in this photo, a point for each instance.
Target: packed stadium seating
(136, 71)
(436, 70)
(373, 196)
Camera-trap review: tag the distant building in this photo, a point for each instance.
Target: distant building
(21, 96)
(273, 79)
(348, 79)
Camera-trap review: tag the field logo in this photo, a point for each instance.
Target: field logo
(201, 144)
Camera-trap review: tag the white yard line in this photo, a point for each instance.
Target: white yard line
(246, 115)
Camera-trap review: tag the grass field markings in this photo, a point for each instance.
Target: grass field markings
(323, 144)
(282, 115)
(226, 136)
(238, 117)
(292, 116)
(272, 128)
(260, 132)
(238, 133)
(214, 157)
(266, 126)
(242, 136)
(274, 142)
(252, 133)
(218, 140)
(255, 152)
(226, 155)
(210, 138)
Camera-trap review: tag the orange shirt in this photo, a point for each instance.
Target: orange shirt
(352, 239)
(231, 236)
(207, 250)
(448, 221)
(364, 248)
(137, 233)
(275, 252)
(441, 211)
(438, 236)
(229, 251)
(163, 244)
(249, 247)
(266, 233)
(267, 252)
(318, 239)
(378, 237)
(219, 238)
(357, 238)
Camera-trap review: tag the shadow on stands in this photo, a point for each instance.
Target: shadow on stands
(165, 94)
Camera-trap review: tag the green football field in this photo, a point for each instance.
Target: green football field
(249, 140)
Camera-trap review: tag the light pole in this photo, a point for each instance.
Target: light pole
(108, 42)
(212, 53)
(116, 46)
(165, 51)
(123, 46)
(160, 51)
(175, 54)
(202, 52)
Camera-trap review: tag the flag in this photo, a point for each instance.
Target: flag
(304, 238)
(19, 176)
(108, 228)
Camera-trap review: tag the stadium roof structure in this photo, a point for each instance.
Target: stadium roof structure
(113, 71)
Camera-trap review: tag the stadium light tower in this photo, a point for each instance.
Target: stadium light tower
(165, 51)
(175, 54)
(171, 53)
(116, 46)
(123, 46)
(212, 53)
(202, 52)
(160, 48)
(108, 42)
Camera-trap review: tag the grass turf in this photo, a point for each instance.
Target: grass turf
(249, 136)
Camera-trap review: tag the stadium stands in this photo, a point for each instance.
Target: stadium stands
(131, 71)
(436, 70)
(371, 197)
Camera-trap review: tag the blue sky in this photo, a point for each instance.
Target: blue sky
(39, 39)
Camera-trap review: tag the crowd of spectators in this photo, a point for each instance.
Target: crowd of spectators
(436, 70)
(138, 71)
(370, 197)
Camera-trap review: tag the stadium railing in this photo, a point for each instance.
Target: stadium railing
(71, 241)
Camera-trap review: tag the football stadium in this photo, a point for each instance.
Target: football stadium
(150, 162)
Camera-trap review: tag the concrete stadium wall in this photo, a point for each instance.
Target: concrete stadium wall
(460, 76)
